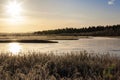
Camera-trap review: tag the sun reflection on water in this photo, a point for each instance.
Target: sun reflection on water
(14, 48)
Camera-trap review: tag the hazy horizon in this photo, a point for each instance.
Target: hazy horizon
(38, 15)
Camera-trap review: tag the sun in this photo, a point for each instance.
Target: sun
(14, 8)
(14, 12)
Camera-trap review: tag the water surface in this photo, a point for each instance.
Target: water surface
(95, 44)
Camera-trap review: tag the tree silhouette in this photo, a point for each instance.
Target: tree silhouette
(108, 30)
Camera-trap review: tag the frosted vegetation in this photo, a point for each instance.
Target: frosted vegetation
(72, 66)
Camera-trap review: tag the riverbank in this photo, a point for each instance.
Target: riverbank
(26, 41)
(74, 66)
(42, 37)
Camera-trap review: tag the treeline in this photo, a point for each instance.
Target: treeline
(113, 30)
(108, 30)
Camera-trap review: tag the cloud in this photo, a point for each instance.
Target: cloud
(111, 2)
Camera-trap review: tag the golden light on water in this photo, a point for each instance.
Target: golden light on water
(14, 48)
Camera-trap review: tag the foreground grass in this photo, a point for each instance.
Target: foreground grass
(74, 66)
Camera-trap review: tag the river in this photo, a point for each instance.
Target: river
(93, 44)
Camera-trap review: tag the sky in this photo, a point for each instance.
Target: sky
(38, 15)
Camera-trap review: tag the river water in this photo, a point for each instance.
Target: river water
(93, 44)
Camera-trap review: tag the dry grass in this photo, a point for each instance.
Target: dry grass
(74, 66)
(40, 37)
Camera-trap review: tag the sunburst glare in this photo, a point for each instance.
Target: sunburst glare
(14, 8)
(14, 12)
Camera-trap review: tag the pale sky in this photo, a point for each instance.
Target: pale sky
(37, 15)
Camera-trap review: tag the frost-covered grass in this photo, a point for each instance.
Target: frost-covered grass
(74, 66)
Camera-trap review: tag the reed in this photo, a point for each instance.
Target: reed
(72, 66)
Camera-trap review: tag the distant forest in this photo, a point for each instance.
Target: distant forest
(108, 30)
(113, 30)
